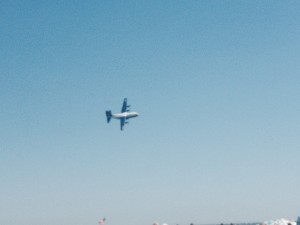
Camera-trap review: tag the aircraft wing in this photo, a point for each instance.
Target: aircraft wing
(124, 107)
(122, 123)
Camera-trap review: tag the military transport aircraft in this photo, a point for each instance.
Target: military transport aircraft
(124, 116)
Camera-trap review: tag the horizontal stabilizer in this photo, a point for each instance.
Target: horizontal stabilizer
(108, 115)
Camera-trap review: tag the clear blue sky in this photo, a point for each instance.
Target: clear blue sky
(217, 84)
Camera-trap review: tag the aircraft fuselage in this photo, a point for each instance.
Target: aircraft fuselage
(125, 115)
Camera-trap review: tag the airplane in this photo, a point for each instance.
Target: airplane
(124, 116)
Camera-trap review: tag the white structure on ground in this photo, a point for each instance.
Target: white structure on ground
(279, 222)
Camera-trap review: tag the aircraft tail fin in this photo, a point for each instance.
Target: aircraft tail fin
(108, 116)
